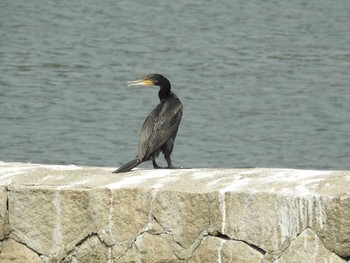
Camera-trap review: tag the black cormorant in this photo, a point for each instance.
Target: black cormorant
(160, 127)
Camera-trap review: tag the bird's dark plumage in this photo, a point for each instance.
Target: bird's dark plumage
(159, 130)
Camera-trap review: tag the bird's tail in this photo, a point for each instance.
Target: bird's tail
(128, 166)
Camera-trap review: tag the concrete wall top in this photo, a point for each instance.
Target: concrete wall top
(278, 181)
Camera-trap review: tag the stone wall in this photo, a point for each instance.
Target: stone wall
(71, 214)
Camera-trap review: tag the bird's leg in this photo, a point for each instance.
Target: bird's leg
(155, 165)
(170, 165)
(168, 160)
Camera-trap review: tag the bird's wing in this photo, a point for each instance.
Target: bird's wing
(161, 124)
(146, 132)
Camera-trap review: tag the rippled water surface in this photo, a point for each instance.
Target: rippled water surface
(263, 83)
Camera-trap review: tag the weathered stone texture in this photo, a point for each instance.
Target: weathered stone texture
(92, 250)
(310, 249)
(129, 213)
(13, 252)
(214, 249)
(52, 221)
(184, 215)
(154, 248)
(72, 214)
(3, 212)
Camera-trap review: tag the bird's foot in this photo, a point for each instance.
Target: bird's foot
(168, 167)
(156, 166)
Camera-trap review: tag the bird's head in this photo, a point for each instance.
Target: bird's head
(150, 80)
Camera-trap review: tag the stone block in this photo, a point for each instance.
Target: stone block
(52, 220)
(308, 247)
(13, 252)
(3, 213)
(213, 249)
(69, 214)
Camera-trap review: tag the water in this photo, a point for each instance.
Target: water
(263, 83)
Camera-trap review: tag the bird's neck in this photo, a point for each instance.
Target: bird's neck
(164, 91)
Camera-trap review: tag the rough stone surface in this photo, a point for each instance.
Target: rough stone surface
(214, 249)
(70, 214)
(310, 248)
(52, 221)
(3, 212)
(154, 248)
(13, 252)
(90, 251)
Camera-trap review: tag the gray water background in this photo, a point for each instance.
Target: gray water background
(263, 83)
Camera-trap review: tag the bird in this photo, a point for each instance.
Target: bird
(160, 128)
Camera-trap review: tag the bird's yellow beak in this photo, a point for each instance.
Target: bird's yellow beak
(140, 82)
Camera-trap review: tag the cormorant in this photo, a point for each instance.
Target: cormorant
(159, 130)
